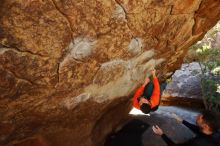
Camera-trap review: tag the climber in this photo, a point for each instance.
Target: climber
(147, 97)
(206, 130)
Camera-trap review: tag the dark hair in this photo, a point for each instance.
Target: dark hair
(145, 108)
(212, 119)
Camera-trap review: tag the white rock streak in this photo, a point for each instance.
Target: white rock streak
(135, 46)
(72, 102)
(134, 72)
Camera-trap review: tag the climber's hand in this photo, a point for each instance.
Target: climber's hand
(153, 72)
(178, 118)
(157, 130)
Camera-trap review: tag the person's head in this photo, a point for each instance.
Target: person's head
(208, 121)
(144, 105)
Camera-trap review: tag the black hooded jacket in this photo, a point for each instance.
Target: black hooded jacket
(200, 140)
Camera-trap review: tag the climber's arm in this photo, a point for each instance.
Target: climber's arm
(155, 97)
(192, 127)
(168, 141)
(157, 130)
(139, 92)
(136, 95)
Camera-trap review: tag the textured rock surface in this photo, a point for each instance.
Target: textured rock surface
(185, 82)
(68, 67)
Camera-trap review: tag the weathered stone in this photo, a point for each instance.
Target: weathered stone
(6, 129)
(135, 46)
(33, 141)
(186, 82)
(216, 42)
(66, 66)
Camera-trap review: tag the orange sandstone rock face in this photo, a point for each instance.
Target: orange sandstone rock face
(67, 66)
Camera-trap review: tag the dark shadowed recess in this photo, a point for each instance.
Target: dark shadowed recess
(129, 135)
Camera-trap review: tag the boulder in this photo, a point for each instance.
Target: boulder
(68, 68)
(185, 82)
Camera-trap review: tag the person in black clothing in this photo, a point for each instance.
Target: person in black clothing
(206, 130)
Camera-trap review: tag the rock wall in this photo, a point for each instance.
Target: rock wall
(185, 82)
(64, 65)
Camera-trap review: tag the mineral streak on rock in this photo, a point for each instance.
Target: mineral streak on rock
(135, 46)
(70, 103)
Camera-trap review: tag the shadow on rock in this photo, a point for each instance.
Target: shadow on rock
(129, 135)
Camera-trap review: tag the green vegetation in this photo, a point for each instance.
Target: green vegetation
(210, 64)
(208, 55)
(210, 59)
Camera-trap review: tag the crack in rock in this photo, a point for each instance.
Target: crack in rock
(119, 12)
(64, 15)
(125, 14)
(4, 48)
(16, 76)
(122, 8)
(79, 49)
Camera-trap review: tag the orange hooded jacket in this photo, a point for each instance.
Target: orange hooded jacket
(155, 97)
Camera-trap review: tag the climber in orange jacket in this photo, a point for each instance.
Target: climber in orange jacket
(147, 96)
